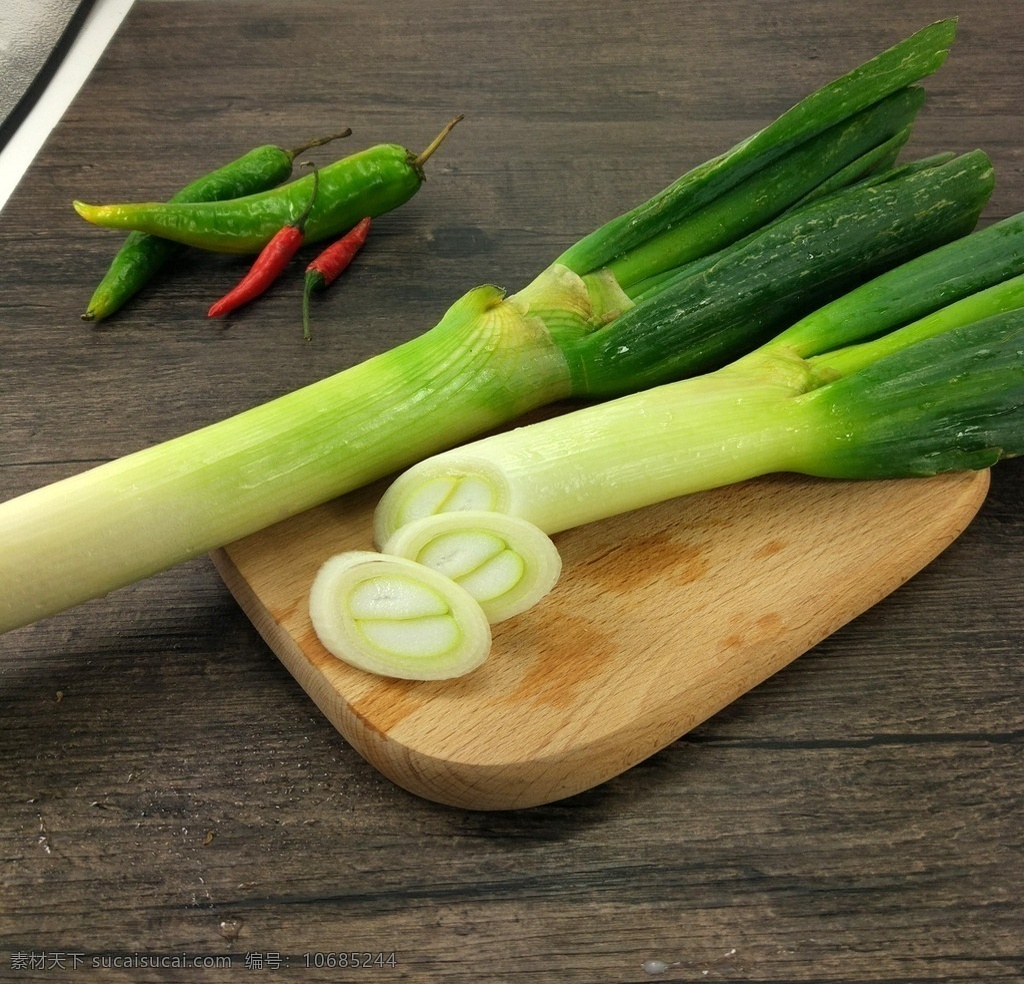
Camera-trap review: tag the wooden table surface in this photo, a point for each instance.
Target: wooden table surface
(169, 791)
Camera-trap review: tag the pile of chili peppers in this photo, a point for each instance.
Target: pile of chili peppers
(233, 209)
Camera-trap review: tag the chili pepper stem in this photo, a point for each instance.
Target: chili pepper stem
(300, 222)
(421, 159)
(319, 142)
(314, 281)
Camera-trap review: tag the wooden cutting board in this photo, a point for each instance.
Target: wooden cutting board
(661, 618)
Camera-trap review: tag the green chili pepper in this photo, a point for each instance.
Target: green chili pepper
(371, 182)
(143, 255)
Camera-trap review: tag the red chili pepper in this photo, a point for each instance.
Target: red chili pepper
(324, 270)
(272, 260)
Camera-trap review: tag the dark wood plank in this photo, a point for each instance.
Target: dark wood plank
(167, 786)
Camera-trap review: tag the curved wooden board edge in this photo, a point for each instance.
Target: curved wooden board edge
(662, 618)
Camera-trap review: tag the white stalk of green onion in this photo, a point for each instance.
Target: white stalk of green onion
(576, 331)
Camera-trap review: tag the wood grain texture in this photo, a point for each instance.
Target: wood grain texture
(169, 788)
(662, 617)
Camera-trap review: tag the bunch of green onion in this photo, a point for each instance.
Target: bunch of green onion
(705, 271)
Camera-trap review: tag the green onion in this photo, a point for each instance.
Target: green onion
(893, 398)
(575, 331)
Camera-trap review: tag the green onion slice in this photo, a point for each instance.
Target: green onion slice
(506, 563)
(394, 617)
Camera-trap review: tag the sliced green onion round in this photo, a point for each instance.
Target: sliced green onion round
(465, 482)
(397, 618)
(506, 563)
